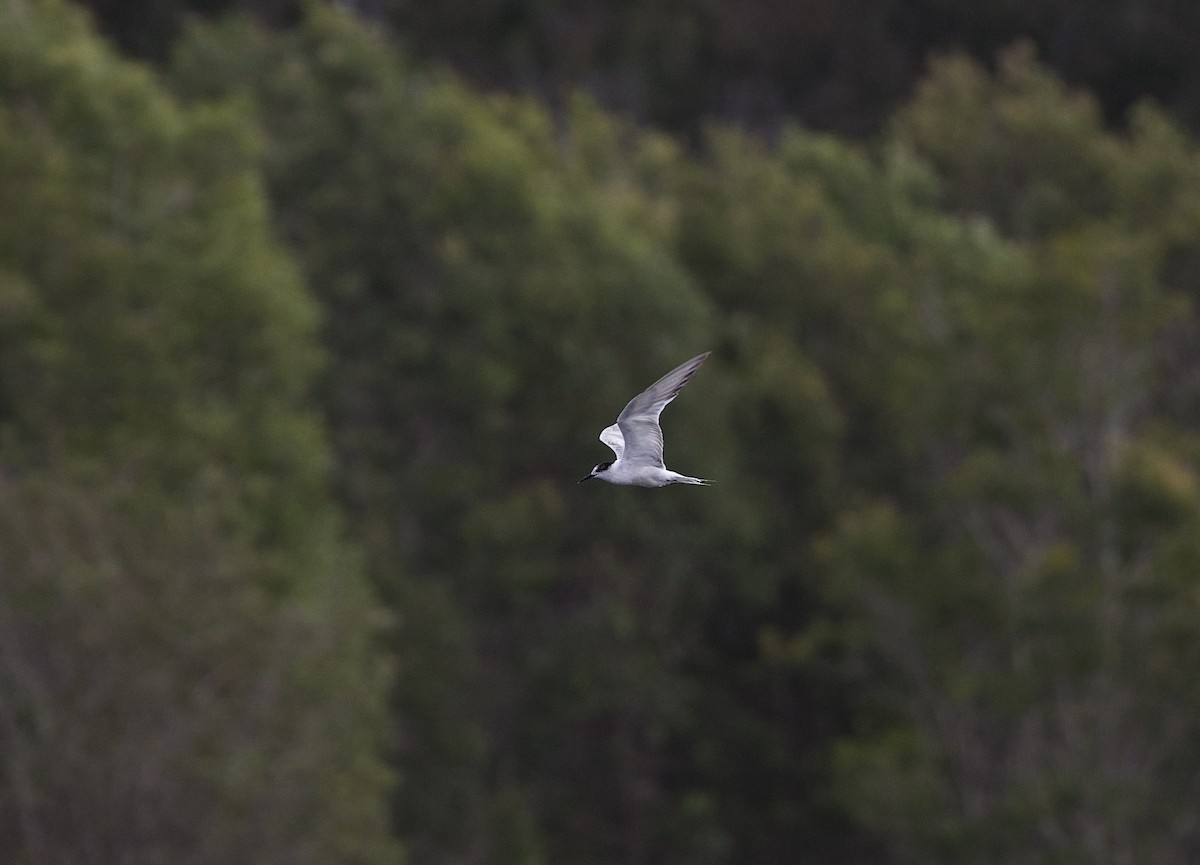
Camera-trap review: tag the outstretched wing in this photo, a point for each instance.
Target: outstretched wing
(613, 438)
(638, 422)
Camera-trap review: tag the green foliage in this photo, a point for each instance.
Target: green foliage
(187, 666)
(939, 606)
(1020, 650)
(487, 296)
(950, 344)
(678, 64)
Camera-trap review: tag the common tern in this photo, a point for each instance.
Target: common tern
(637, 439)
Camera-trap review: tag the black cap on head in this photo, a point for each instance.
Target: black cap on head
(599, 468)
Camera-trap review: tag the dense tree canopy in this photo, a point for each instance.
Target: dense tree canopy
(186, 672)
(304, 344)
(835, 65)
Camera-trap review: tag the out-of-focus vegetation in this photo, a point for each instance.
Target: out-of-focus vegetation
(188, 670)
(835, 65)
(303, 345)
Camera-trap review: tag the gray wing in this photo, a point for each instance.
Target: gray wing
(638, 422)
(613, 438)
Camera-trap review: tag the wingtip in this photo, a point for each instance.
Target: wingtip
(689, 367)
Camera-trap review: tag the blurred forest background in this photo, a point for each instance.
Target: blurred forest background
(310, 315)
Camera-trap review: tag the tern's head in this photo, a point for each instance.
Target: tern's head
(599, 469)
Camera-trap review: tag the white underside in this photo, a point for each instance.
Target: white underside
(621, 472)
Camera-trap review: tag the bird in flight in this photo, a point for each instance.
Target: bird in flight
(637, 439)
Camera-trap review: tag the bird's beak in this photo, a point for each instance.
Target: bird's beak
(587, 478)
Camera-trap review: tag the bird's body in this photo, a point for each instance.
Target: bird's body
(636, 438)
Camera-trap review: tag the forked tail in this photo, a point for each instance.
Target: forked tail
(684, 479)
